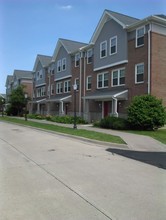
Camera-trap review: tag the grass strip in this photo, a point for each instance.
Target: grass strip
(65, 130)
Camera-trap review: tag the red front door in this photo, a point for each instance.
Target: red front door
(105, 109)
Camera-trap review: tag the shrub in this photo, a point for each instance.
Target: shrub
(146, 113)
(113, 123)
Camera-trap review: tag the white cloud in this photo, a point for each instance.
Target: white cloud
(66, 7)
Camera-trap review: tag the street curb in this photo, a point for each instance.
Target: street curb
(103, 143)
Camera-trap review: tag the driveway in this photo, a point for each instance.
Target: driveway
(49, 176)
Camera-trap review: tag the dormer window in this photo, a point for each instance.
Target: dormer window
(103, 49)
(77, 59)
(140, 36)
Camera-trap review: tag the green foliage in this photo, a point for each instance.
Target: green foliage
(146, 113)
(59, 119)
(113, 123)
(17, 101)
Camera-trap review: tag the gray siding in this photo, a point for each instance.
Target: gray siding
(64, 73)
(38, 69)
(111, 29)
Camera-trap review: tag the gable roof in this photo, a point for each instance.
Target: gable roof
(69, 45)
(43, 59)
(19, 74)
(9, 80)
(121, 19)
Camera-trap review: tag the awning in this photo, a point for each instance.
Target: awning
(107, 95)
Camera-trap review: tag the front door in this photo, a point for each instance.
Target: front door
(105, 109)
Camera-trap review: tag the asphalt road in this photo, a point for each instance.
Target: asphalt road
(45, 176)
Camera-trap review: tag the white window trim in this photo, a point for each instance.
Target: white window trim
(67, 81)
(101, 49)
(137, 37)
(59, 64)
(87, 82)
(64, 60)
(59, 83)
(115, 45)
(102, 80)
(138, 74)
(90, 50)
(118, 77)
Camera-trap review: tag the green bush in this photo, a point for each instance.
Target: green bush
(146, 113)
(113, 123)
(59, 119)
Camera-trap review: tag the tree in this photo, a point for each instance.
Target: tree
(17, 101)
(146, 113)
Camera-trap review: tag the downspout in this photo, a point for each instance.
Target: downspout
(84, 86)
(149, 59)
(115, 107)
(80, 84)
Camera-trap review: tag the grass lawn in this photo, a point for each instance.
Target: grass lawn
(159, 134)
(75, 132)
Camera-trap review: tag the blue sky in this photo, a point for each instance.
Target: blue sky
(31, 27)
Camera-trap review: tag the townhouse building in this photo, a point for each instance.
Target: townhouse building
(19, 77)
(125, 57)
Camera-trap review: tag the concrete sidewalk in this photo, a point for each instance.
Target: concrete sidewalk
(133, 141)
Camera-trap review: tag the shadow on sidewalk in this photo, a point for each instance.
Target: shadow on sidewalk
(157, 159)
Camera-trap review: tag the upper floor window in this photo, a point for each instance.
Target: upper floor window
(52, 72)
(139, 73)
(113, 45)
(103, 49)
(77, 59)
(89, 83)
(118, 77)
(140, 36)
(64, 64)
(102, 80)
(89, 56)
(67, 86)
(59, 87)
(59, 66)
(77, 83)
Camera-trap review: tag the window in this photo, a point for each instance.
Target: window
(89, 83)
(64, 64)
(59, 88)
(139, 73)
(89, 56)
(113, 45)
(40, 74)
(52, 72)
(77, 59)
(77, 83)
(67, 86)
(59, 66)
(118, 77)
(102, 80)
(103, 49)
(43, 92)
(140, 36)
(52, 89)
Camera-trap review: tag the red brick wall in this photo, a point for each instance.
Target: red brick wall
(136, 56)
(158, 66)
